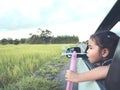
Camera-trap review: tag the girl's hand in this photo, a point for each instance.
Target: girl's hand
(71, 76)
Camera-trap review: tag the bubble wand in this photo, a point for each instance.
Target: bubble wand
(73, 63)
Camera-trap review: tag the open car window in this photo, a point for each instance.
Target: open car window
(116, 29)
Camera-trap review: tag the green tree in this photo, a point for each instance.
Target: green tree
(42, 36)
(4, 41)
(23, 40)
(65, 39)
(10, 40)
(46, 36)
(16, 41)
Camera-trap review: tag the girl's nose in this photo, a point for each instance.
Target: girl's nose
(87, 51)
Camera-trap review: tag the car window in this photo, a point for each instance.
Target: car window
(116, 29)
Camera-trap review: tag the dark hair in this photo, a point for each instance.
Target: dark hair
(106, 39)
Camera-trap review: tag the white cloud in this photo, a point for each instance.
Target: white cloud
(83, 28)
(66, 17)
(28, 8)
(18, 34)
(59, 16)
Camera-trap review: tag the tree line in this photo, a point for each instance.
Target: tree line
(42, 37)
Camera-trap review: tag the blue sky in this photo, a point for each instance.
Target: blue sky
(18, 18)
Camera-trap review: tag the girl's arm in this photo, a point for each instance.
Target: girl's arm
(94, 74)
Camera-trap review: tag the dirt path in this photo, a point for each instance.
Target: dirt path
(61, 77)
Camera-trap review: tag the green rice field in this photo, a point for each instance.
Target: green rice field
(31, 67)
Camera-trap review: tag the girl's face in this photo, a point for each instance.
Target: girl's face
(94, 53)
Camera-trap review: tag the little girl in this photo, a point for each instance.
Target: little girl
(101, 48)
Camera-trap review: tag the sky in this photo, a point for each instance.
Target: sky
(19, 18)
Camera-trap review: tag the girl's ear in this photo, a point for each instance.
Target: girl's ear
(105, 52)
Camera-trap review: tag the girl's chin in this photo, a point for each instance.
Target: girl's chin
(91, 61)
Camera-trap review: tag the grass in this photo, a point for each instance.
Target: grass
(31, 67)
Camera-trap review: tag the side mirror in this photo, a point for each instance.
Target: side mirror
(70, 50)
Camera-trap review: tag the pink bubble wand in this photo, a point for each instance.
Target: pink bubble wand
(73, 63)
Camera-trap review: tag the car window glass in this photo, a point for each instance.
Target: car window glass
(116, 29)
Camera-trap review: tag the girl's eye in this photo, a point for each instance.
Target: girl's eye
(90, 47)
